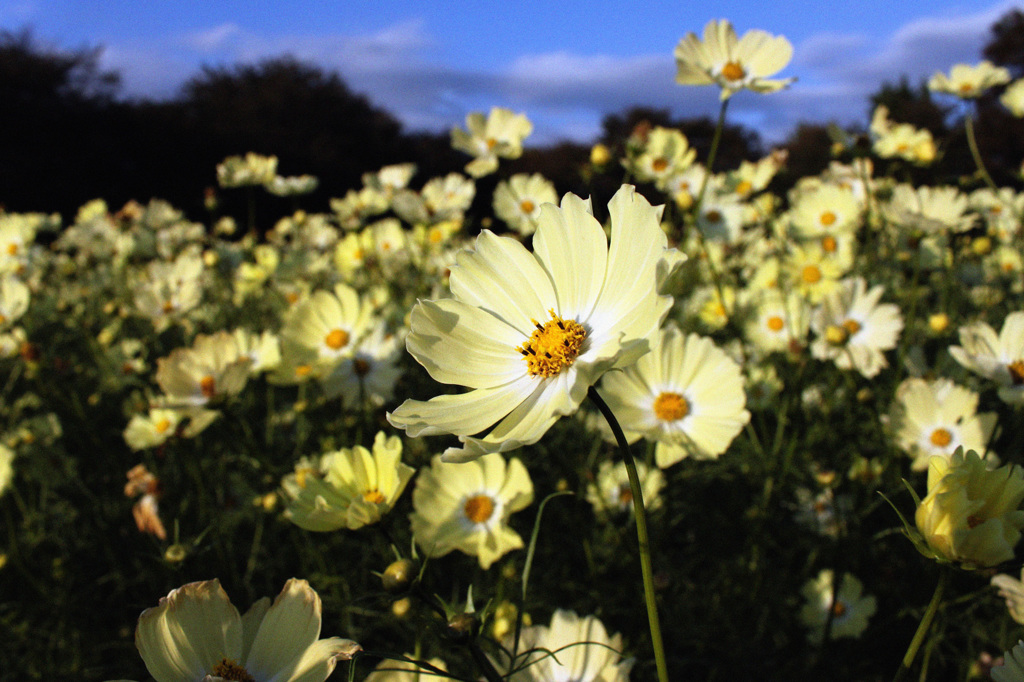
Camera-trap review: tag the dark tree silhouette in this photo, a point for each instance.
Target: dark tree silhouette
(1006, 46)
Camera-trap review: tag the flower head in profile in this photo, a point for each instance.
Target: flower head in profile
(733, 63)
(499, 134)
(349, 488)
(971, 515)
(969, 82)
(466, 507)
(1012, 590)
(570, 648)
(195, 633)
(530, 332)
(999, 358)
(248, 170)
(850, 610)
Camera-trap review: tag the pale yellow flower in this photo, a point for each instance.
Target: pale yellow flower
(937, 417)
(999, 358)
(853, 329)
(292, 185)
(466, 506)
(14, 296)
(583, 652)
(969, 82)
(1013, 98)
(152, 429)
(1012, 590)
(686, 394)
(849, 610)
(733, 63)
(329, 325)
(529, 332)
(517, 200)
(6, 468)
(196, 632)
(499, 134)
(610, 494)
(349, 488)
(666, 152)
(209, 371)
(971, 514)
(252, 169)
(829, 210)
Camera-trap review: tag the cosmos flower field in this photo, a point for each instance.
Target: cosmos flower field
(694, 429)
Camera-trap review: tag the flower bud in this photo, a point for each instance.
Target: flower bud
(463, 627)
(971, 515)
(399, 575)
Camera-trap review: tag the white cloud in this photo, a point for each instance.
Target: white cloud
(213, 39)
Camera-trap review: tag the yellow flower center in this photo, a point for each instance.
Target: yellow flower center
(228, 669)
(336, 338)
(373, 496)
(733, 71)
(527, 206)
(12, 249)
(168, 307)
(744, 187)
(491, 143)
(436, 236)
(479, 508)
(162, 425)
(2, 318)
(811, 274)
(303, 370)
(208, 386)
(775, 323)
(361, 367)
(552, 346)
(966, 88)
(941, 438)
(291, 297)
(836, 335)
(670, 407)
(839, 609)
(1016, 372)
(829, 244)
(659, 165)
(851, 326)
(713, 216)
(625, 494)
(827, 218)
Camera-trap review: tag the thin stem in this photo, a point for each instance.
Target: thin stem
(923, 627)
(640, 515)
(976, 154)
(712, 153)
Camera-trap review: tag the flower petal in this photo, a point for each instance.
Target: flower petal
(572, 247)
(461, 414)
(289, 627)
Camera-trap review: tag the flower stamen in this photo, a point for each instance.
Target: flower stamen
(553, 346)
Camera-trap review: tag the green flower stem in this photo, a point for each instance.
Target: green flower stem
(976, 154)
(712, 153)
(923, 626)
(641, 533)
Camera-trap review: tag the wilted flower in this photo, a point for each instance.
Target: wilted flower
(195, 633)
(849, 611)
(734, 64)
(529, 333)
(971, 514)
(350, 488)
(466, 506)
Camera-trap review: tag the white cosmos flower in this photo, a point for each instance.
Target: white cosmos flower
(999, 358)
(529, 333)
(853, 329)
(196, 633)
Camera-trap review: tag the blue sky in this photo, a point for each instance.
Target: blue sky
(564, 64)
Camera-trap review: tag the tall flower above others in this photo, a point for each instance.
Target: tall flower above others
(529, 333)
(195, 633)
(733, 63)
(969, 82)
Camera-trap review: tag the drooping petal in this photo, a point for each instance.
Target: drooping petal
(317, 662)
